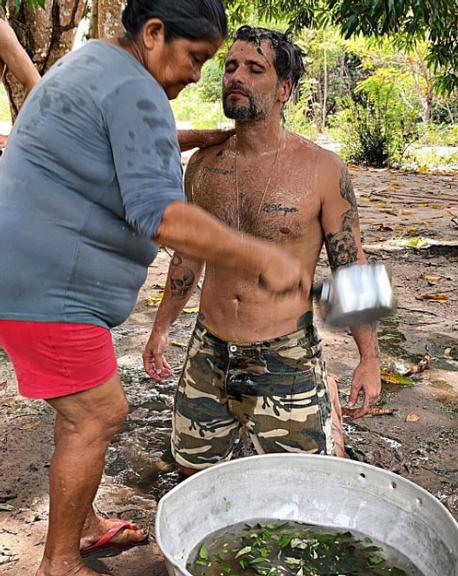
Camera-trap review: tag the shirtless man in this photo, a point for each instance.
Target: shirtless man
(255, 362)
(14, 58)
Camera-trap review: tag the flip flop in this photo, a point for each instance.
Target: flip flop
(105, 547)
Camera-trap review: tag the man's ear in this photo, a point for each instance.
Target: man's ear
(153, 33)
(285, 91)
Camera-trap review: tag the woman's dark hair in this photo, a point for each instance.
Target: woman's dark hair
(289, 57)
(192, 19)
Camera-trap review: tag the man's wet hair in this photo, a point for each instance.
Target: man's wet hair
(190, 19)
(289, 57)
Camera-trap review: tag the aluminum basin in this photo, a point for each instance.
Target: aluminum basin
(313, 489)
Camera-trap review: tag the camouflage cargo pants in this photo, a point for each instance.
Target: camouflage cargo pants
(276, 390)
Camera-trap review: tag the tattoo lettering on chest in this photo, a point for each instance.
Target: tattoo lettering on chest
(341, 246)
(279, 208)
(181, 278)
(218, 171)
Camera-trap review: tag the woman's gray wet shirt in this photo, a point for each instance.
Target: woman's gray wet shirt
(91, 164)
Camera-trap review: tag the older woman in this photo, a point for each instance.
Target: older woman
(90, 177)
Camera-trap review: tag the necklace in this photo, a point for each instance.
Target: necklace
(237, 192)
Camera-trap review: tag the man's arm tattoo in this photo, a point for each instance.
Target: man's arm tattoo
(181, 278)
(341, 246)
(346, 188)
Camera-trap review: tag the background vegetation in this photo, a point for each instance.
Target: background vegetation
(381, 83)
(378, 101)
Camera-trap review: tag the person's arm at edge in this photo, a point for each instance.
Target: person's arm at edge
(340, 224)
(16, 58)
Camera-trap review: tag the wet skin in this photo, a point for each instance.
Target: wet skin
(274, 185)
(277, 186)
(235, 306)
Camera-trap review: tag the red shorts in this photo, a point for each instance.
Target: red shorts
(53, 359)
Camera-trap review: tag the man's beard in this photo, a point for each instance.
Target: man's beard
(250, 112)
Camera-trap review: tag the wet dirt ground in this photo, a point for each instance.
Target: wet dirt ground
(409, 221)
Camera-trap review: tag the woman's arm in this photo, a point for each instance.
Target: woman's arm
(189, 139)
(194, 233)
(16, 58)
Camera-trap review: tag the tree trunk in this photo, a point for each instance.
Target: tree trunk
(106, 19)
(427, 108)
(324, 109)
(93, 32)
(46, 35)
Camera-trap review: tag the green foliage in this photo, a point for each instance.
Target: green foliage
(439, 135)
(209, 86)
(397, 89)
(376, 136)
(189, 107)
(16, 4)
(408, 21)
(367, 140)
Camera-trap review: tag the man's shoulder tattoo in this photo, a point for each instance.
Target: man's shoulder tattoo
(346, 188)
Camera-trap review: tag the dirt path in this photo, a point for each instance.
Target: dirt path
(410, 221)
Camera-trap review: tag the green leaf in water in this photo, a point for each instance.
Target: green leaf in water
(243, 551)
(376, 560)
(258, 560)
(292, 561)
(284, 541)
(203, 553)
(373, 549)
(397, 572)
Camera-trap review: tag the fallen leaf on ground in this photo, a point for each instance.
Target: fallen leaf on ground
(390, 377)
(154, 300)
(448, 352)
(178, 344)
(380, 411)
(29, 425)
(6, 507)
(412, 417)
(418, 243)
(192, 310)
(436, 297)
(431, 277)
(421, 366)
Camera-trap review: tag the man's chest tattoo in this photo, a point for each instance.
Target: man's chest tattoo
(219, 171)
(279, 208)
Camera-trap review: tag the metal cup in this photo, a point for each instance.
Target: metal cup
(356, 294)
